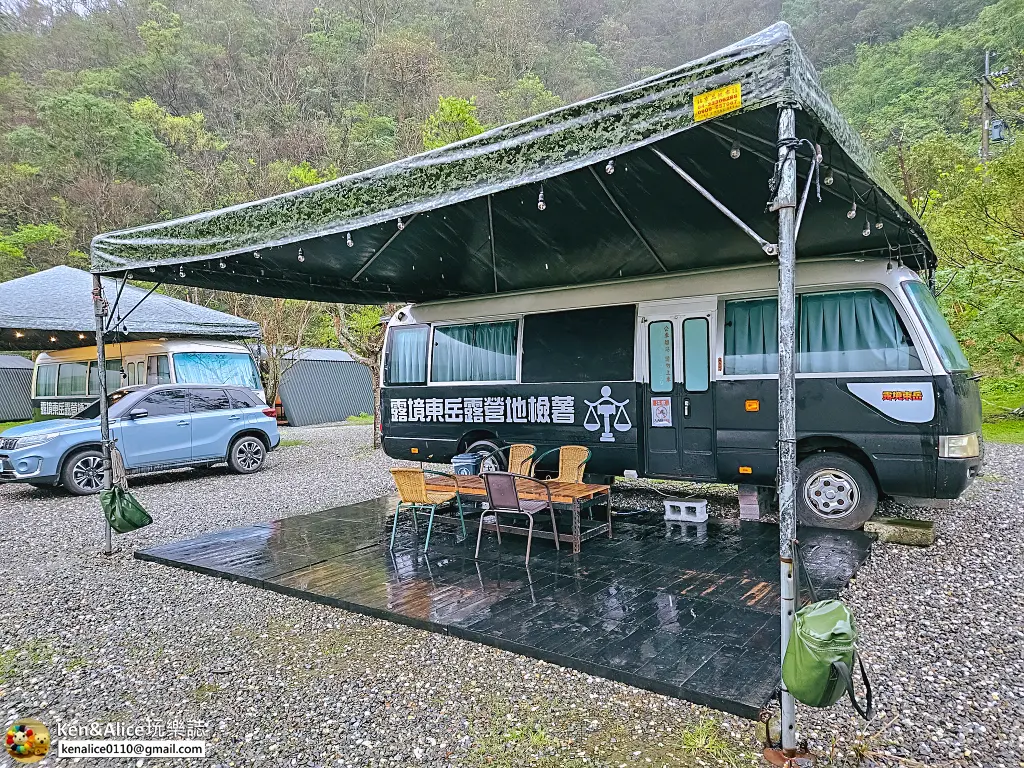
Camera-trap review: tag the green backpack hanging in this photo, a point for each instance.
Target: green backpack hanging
(818, 665)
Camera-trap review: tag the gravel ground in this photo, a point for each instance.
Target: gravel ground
(280, 681)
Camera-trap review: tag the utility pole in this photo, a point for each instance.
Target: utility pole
(986, 110)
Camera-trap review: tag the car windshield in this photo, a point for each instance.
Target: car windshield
(92, 411)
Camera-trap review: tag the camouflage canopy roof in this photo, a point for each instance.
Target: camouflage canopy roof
(578, 195)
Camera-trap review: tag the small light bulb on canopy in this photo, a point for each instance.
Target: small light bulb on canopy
(734, 151)
(541, 205)
(829, 178)
(348, 239)
(852, 213)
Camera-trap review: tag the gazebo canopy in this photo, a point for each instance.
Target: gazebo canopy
(53, 309)
(635, 182)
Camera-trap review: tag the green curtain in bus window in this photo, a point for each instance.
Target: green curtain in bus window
(71, 379)
(850, 331)
(235, 368)
(407, 361)
(114, 380)
(477, 352)
(751, 337)
(46, 381)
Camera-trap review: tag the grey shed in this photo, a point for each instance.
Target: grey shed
(323, 386)
(15, 388)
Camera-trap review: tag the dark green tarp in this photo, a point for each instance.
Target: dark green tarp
(464, 220)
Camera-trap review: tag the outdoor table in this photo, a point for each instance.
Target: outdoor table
(564, 496)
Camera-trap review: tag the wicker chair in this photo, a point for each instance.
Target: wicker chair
(413, 495)
(503, 498)
(520, 457)
(572, 461)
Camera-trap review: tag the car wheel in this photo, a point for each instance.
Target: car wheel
(496, 463)
(247, 455)
(835, 491)
(82, 474)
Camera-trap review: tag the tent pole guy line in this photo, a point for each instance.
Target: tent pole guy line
(148, 294)
(490, 234)
(770, 248)
(383, 248)
(627, 219)
(117, 299)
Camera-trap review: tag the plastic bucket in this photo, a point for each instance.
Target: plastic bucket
(467, 463)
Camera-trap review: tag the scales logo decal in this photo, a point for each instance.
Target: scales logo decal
(607, 408)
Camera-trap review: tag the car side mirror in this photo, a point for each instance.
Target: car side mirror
(137, 413)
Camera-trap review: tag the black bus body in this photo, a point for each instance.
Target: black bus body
(676, 378)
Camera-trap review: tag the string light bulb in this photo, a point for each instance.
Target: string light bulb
(221, 264)
(829, 178)
(401, 224)
(53, 338)
(878, 223)
(867, 227)
(152, 269)
(181, 271)
(302, 256)
(18, 334)
(256, 254)
(541, 205)
(81, 335)
(852, 213)
(348, 239)
(734, 151)
(609, 167)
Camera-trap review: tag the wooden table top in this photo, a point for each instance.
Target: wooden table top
(561, 493)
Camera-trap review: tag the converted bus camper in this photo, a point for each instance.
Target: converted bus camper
(66, 381)
(676, 377)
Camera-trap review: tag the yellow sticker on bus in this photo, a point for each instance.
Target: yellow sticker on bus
(717, 102)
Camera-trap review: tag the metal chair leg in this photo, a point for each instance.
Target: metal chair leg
(430, 527)
(497, 528)
(554, 526)
(529, 539)
(394, 525)
(462, 518)
(479, 535)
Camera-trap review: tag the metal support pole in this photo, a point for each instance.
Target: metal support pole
(100, 309)
(785, 203)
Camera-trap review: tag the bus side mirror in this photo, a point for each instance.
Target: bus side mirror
(137, 413)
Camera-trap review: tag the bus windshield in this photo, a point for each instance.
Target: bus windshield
(953, 358)
(216, 368)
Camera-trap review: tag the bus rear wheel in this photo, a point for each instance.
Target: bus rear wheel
(492, 463)
(835, 491)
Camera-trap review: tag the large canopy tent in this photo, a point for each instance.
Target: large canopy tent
(52, 310)
(691, 169)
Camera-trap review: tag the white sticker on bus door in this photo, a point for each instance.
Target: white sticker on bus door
(661, 411)
(912, 402)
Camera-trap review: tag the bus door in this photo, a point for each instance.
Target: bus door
(679, 401)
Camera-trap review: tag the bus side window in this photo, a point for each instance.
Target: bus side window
(159, 372)
(406, 361)
(46, 380)
(696, 355)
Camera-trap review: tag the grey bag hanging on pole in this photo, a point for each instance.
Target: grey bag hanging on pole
(120, 507)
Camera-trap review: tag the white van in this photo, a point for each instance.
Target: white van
(65, 381)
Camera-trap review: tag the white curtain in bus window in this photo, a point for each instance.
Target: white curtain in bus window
(751, 337)
(158, 372)
(476, 352)
(659, 337)
(407, 361)
(71, 379)
(216, 368)
(113, 376)
(850, 331)
(46, 381)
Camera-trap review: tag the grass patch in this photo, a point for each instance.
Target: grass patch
(4, 425)
(1004, 430)
(705, 739)
(1000, 395)
(291, 443)
(14, 660)
(362, 418)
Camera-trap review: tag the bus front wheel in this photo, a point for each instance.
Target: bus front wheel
(493, 461)
(835, 491)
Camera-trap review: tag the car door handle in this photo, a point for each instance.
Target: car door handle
(183, 423)
(686, 407)
(236, 417)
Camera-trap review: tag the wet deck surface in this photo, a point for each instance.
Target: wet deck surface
(691, 614)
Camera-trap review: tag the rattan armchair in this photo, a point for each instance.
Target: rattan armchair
(413, 494)
(503, 499)
(520, 457)
(572, 461)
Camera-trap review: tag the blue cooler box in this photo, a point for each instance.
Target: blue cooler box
(467, 463)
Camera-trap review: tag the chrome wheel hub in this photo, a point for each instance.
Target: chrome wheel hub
(831, 493)
(88, 473)
(249, 454)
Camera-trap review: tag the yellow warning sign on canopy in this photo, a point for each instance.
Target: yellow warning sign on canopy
(717, 102)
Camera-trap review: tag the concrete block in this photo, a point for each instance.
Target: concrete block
(901, 530)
